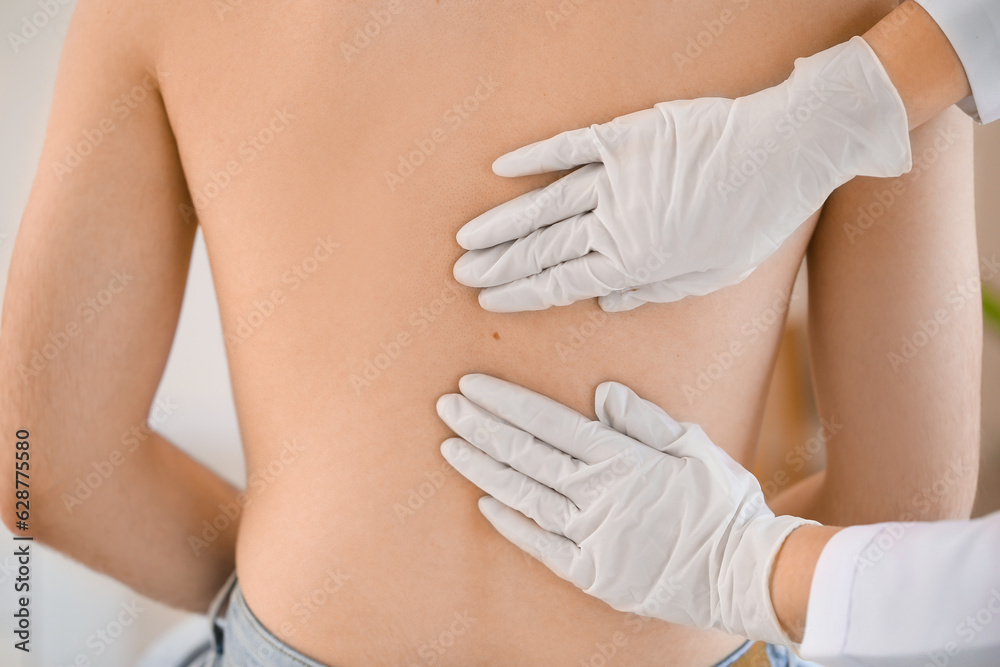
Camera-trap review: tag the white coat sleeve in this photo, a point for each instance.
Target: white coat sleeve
(895, 594)
(973, 28)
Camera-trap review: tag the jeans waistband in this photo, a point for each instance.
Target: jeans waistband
(215, 610)
(239, 639)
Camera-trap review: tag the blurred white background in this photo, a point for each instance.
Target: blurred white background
(70, 604)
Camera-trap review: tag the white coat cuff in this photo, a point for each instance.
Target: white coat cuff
(828, 614)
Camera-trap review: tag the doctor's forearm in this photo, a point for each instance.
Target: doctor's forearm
(920, 61)
(791, 576)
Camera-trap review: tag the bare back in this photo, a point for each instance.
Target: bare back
(332, 151)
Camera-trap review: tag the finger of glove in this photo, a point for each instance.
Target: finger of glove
(550, 421)
(556, 552)
(698, 283)
(546, 247)
(571, 195)
(625, 411)
(621, 301)
(590, 276)
(505, 443)
(563, 151)
(549, 509)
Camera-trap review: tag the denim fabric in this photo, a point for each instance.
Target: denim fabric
(239, 640)
(763, 655)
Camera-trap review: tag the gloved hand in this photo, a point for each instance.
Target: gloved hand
(635, 509)
(688, 197)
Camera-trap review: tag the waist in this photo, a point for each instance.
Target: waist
(417, 577)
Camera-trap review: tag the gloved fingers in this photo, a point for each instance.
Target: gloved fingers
(663, 291)
(625, 411)
(546, 247)
(549, 509)
(550, 421)
(590, 276)
(621, 301)
(696, 283)
(563, 151)
(571, 195)
(507, 444)
(556, 552)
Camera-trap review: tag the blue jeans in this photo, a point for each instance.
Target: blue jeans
(240, 640)
(759, 654)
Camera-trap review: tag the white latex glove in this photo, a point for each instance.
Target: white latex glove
(635, 509)
(688, 197)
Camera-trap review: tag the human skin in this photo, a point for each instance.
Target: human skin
(920, 61)
(341, 504)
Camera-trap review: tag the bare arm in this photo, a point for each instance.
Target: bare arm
(920, 61)
(95, 288)
(792, 573)
(896, 341)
